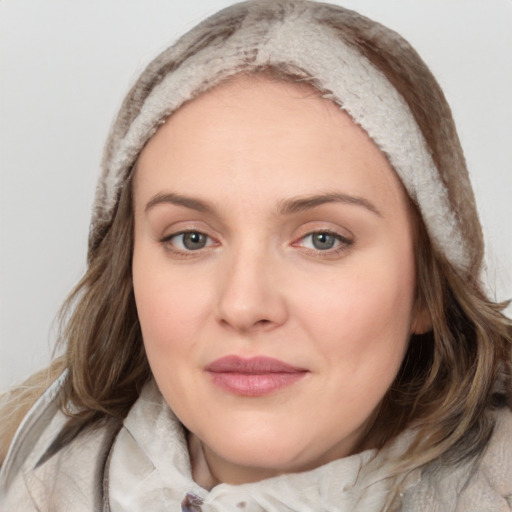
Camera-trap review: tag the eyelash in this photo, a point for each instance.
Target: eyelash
(166, 241)
(343, 243)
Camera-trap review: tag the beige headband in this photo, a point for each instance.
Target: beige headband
(285, 34)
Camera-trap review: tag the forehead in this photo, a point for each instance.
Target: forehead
(257, 130)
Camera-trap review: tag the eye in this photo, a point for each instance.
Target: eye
(321, 241)
(324, 241)
(188, 241)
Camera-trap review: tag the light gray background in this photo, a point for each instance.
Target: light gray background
(65, 66)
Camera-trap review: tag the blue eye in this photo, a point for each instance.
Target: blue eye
(189, 240)
(324, 241)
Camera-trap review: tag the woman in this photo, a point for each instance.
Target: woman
(282, 308)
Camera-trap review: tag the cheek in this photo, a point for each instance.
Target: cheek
(168, 306)
(362, 320)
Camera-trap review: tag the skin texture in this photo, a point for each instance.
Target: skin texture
(251, 150)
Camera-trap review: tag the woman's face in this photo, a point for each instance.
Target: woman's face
(274, 276)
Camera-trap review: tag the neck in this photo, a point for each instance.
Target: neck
(209, 470)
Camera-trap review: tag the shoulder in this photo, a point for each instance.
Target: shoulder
(496, 465)
(46, 470)
(473, 487)
(37, 425)
(490, 484)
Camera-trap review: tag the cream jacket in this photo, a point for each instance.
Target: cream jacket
(143, 466)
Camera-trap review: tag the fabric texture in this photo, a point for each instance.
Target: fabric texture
(144, 465)
(307, 40)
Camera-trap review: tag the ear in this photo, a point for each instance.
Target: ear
(422, 321)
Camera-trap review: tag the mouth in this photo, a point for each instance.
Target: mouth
(255, 376)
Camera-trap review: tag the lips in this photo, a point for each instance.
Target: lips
(255, 376)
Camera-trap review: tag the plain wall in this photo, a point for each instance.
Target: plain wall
(65, 66)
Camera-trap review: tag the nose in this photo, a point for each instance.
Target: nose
(250, 297)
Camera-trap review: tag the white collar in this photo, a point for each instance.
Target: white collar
(150, 471)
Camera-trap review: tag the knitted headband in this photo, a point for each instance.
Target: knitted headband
(304, 39)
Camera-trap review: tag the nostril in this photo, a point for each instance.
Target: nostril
(253, 326)
(262, 324)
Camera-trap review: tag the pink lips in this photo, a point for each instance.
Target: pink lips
(256, 376)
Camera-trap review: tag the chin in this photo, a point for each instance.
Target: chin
(270, 455)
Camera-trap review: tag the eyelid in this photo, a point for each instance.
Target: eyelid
(166, 242)
(336, 235)
(344, 242)
(169, 237)
(168, 228)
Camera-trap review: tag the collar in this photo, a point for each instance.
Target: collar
(150, 470)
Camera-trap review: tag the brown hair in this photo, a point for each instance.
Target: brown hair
(451, 377)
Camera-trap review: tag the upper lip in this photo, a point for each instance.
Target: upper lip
(252, 365)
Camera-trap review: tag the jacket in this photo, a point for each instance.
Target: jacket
(143, 465)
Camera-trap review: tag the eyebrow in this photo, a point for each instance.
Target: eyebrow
(286, 207)
(180, 200)
(300, 204)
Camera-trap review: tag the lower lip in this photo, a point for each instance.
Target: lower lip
(248, 384)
